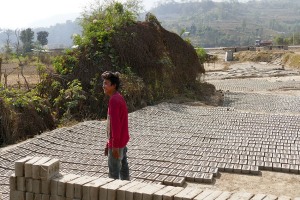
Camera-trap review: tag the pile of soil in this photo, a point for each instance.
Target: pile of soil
(157, 65)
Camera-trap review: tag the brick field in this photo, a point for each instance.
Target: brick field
(257, 129)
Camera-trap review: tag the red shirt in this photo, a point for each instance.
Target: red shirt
(118, 122)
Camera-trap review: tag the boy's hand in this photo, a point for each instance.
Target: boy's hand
(115, 153)
(106, 151)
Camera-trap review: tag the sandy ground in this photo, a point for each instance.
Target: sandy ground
(275, 183)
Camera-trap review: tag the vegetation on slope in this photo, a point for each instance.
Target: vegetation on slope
(155, 65)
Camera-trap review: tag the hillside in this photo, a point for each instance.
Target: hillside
(231, 23)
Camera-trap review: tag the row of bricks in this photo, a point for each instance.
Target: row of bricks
(109, 189)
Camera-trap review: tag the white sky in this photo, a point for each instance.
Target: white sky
(23, 13)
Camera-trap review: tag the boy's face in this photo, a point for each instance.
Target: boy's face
(108, 88)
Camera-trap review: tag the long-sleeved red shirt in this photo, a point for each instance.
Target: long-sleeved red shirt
(118, 133)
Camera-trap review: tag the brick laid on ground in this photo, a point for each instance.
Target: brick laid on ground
(241, 195)
(258, 196)
(188, 193)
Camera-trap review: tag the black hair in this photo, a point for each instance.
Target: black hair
(113, 77)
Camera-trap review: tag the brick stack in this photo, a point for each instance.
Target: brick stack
(38, 178)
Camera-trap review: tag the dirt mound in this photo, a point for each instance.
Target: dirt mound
(156, 65)
(258, 56)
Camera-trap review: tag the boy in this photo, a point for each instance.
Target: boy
(117, 127)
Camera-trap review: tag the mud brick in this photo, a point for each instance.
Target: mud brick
(36, 186)
(12, 182)
(229, 167)
(91, 190)
(36, 168)
(268, 166)
(259, 158)
(241, 195)
(135, 174)
(214, 171)
(243, 162)
(270, 197)
(19, 195)
(221, 167)
(258, 197)
(294, 169)
(212, 159)
(203, 194)
(179, 181)
(169, 180)
(45, 197)
(78, 186)
(260, 164)
(251, 162)
(283, 160)
(227, 160)
(167, 193)
(46, 185)
(167, 171)
(49, 169)
(254, 170)
(19, 166)
(199, 177)
(21, 186)
(223, 195)
(28, 166)
(246, 169)
(151, 169)
(196, 168)
(284, 198)
(121, 192)
(191, 176)
(235, 161)
(144, 175)
(208, 178)
(213, 164)
(144, 168)
(29, 196)
(159, 170)
(175, 172)
(161, 178)
(187, 193)
(291, 161)
(285, 168)
(29, 184)
(205, 163)
(276, 167)
(130, 191)
(109, 191)
(146, 192)
(152, 176)
(205, 169)
(275, 160)
(237, 168)
(183, 173)
(58, 184)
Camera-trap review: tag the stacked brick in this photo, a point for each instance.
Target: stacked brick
(38, 178)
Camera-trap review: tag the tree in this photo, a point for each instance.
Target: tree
(42, 37)
(7, 47)
(26, 38)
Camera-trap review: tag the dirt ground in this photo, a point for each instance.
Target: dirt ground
(275, 183)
